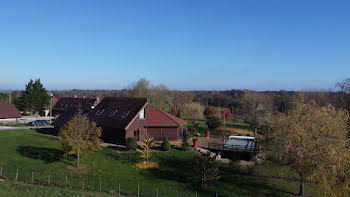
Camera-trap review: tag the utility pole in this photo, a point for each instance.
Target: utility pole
(51, 95)
(9, 97)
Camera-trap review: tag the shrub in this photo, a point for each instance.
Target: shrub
(213, 122)
(131, 143)
(205, 170)
(193, 130)
(235, 167)
(185, 137)
(166, 146)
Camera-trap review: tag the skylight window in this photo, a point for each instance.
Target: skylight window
(100, 111)
(113, 112)
(125, 114)
(62, 105)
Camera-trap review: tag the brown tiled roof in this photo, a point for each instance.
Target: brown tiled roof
(157, 117)
(9, 111)
(54, 101)
(124, 105)
(65, 117)
(64, 104)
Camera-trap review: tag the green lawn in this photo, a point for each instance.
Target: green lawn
(13, 189)
(29, 151)
(202, 127)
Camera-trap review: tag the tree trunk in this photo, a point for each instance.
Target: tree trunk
(78, 160)
(301, 186)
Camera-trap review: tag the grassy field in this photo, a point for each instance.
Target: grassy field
(13, 189)
(30, 151)
(235, 127)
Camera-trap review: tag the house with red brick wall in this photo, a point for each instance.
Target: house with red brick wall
(160, 124)
(120, 118)
(126, 117)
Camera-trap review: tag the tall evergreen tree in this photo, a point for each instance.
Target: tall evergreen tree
(34, 98)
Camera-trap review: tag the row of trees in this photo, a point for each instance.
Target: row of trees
(4, 98)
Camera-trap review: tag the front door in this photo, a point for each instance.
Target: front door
(137, 135)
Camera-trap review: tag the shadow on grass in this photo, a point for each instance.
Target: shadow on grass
(130, 157)
(49, 155)
(47, 131)
(256, 186)
(172, 168)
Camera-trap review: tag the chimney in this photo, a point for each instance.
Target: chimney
(97, 100)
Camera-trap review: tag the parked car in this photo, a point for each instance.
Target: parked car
(38, 123)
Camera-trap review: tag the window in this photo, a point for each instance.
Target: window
(125, 114)
(66, 105)
(113, 112)
(62, 105)
(142, 114)
(100, 111)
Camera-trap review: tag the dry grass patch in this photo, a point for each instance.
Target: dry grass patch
(147, 165)
(234, 131)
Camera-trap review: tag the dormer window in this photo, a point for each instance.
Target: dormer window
(113, 112)
(125, 114)
(100, 111)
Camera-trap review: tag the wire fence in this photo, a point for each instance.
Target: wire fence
(98, 185)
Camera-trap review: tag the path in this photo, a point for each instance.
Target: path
(7, 128)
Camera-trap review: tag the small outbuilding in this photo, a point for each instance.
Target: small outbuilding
(160, 124)
(9, 111)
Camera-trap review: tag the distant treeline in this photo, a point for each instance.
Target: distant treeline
(248, 105)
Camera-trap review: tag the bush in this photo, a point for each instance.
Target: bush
(205, 170)
(166, 146)
(185, 148)
(185, 137)
(193, 130)
(235, 167)
(213, 122)
(131, 143)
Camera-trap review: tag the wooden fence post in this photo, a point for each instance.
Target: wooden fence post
(1, 171)
(48, 181)
(196, 194)
(16, 174)
(119, 189)
(157, 192)
(82, 185)
(100, 186)
(138, 190)
(216, 194)
(65, 182)
(32, 177)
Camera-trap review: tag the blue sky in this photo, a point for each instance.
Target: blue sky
(183, 44)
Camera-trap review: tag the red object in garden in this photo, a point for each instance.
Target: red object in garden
(207, 134)
(195, 142)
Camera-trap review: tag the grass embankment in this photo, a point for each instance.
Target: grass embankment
(29, 151)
